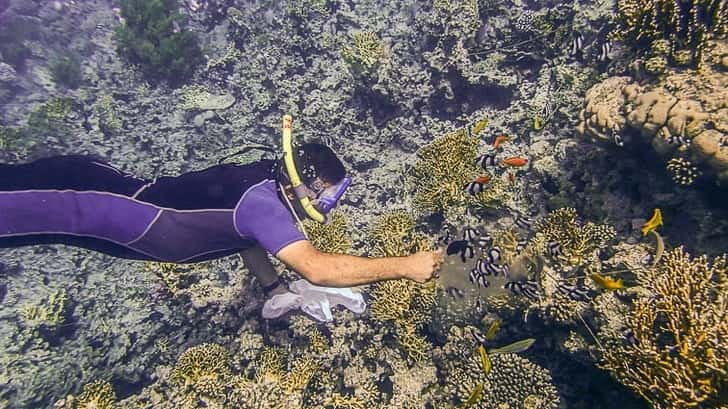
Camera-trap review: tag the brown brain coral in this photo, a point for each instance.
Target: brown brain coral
(683, 113)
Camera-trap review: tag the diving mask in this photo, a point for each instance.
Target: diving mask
(329, 197)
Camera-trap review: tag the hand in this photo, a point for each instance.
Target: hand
(424, 265)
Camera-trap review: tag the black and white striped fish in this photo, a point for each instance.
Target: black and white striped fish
(605, 50)
(493, 255)
(455, 292)
(487, 161)
(470, 234)
(528, 289)
(478, 279)
(462, 248)
(554, 248)
(577, 44)
(521, 245)
(445, 238)
(474, 188)
(523, 222)
(485, 241)
(486, 268)
(574, 292)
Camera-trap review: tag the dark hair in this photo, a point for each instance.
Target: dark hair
(315, 159)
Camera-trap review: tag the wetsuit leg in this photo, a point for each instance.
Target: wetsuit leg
(77, 172)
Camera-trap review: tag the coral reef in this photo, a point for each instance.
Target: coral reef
(674, 356)
(512, 381)
(404, 303)
(332, 237)
(96, 395)
(365, 52)
(683, 27)
(683, 113)
(152, 37)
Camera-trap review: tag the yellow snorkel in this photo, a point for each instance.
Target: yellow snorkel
(296, 183)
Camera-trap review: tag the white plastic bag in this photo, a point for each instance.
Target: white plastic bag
(314, 300)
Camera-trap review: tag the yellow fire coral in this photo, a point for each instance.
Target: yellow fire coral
(676, 355)
(332, 237)
(576, 241)
(96, 395)
(404, 303)
(442, 170)
(203, 369)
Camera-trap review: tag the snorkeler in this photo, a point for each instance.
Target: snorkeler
(253, 209)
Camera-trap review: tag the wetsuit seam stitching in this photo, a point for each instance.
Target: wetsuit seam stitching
(146, 230)
(237, 205)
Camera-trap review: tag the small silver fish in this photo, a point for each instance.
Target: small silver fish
(618, 140)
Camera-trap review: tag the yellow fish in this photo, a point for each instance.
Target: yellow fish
(484, 359)
(479, 126)
(492, 330)
(475, 396)
(538, 123)
(606, 282)
(653, 223)
(514, 348)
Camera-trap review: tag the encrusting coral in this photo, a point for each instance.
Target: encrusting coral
(675, 355)
(682, 113)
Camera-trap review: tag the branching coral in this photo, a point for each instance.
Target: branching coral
(332, 237)
(365, 52)
(49, 315)
(96, 395)
(203, 371)
(676, 356)
(405, 303)
(687, 25)
(442, 170)
(576, 241)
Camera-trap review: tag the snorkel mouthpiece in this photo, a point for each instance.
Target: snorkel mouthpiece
(331, 195)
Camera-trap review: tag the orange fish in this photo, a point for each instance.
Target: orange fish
(515, 161)
(482, 179)
(499, 140)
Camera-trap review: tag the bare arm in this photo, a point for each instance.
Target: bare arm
(337, 270)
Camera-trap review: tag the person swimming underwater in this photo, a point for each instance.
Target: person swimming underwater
(254, 209)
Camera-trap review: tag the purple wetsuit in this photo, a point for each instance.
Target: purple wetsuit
(193, 217)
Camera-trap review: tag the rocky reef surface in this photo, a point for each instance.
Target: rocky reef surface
(411, 95)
